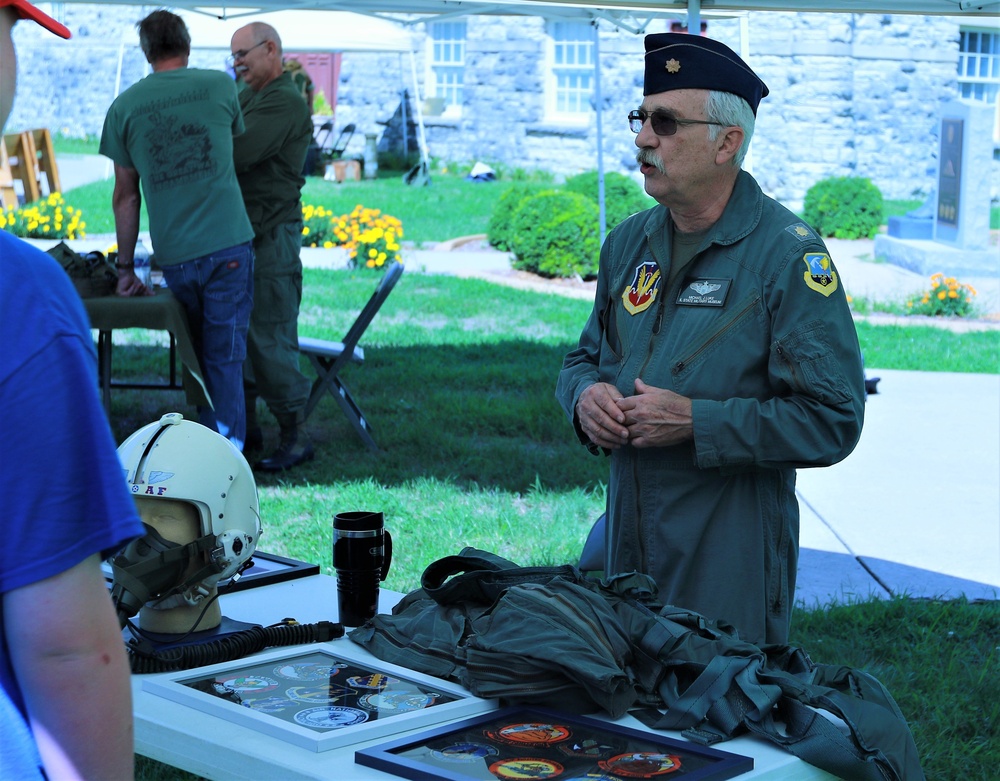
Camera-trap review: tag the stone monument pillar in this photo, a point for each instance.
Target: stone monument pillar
(959, 241)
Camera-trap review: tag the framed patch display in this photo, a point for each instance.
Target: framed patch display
(520, 743)
(319, 697)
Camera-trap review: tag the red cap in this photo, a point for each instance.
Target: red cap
(26, 10)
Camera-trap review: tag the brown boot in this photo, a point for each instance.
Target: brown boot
(293, 449)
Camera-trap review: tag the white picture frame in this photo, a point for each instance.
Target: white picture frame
(319, 697)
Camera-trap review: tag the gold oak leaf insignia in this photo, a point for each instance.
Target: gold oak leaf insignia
(672, 66)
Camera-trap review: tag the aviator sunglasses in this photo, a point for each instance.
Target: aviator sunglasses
(663, 124)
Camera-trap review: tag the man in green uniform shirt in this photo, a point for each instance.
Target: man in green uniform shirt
(720, 355)
(269, 159)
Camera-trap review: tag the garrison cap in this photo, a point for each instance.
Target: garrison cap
(26, 10)
(682, 61)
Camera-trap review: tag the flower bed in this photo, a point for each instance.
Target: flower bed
(48, 218)
(370, 237)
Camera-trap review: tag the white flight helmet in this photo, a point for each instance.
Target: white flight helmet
(183, 460)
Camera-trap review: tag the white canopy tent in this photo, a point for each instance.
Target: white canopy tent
(301, 31)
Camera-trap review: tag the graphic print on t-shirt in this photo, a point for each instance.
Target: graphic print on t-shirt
(179, 153)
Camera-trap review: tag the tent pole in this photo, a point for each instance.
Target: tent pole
(599, 108)
(118, 89)
(421, 136)
(694, 17)
(745, 54)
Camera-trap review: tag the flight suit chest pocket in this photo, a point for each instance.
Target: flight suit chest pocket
(702, 331)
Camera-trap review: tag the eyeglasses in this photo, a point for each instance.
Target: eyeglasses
(233, 58)
(663, 124)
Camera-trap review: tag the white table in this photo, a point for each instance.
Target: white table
(209, 746)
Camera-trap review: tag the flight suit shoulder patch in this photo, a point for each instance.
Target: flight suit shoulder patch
(819, 274)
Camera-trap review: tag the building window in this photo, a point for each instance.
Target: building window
(447, 67)
(979, 65)
(979, 69)
(572, 71)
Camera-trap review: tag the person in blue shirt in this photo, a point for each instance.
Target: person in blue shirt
(65, 691)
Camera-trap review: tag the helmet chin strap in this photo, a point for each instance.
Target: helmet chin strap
(149, 569)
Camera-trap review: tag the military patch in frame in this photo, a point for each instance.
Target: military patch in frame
(301, 695)
(522, 742)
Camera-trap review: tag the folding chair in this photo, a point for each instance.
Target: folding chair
(45, 159)
(329, 358)
(8, 195)
(22, 160)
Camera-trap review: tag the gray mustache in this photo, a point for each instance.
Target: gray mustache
(648, 157)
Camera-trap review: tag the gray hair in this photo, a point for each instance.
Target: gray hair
(729, 110)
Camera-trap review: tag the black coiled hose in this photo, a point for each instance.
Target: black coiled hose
(145, 659)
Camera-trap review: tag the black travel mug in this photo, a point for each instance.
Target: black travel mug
(362, 551)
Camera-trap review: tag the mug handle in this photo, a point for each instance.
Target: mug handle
(386, 554)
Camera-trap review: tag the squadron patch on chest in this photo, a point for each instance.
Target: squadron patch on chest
(819, 275)
(641, 292)
(704, 292)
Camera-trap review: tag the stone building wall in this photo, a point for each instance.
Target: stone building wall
(851, 94)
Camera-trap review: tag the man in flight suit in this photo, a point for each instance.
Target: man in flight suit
(269, 160)
(720, 355)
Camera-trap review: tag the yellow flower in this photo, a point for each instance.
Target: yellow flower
(941, 294)
(952, 294)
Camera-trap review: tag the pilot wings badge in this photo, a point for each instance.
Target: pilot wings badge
(704, 288)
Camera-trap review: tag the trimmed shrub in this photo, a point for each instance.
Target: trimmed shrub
(556, 235)
(846, 207)
(623, 197)
(500, 230)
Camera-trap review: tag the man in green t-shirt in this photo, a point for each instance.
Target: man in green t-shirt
(269, 160)
(170, 136)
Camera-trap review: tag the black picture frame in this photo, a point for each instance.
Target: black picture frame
(522, 742)
(267, 568)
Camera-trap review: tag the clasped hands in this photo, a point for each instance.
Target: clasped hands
(653, 417)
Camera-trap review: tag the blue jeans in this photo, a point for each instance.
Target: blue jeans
(217, 292)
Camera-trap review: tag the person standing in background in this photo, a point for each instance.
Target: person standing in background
(269, 161)
(302, 82)
(173, 133)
